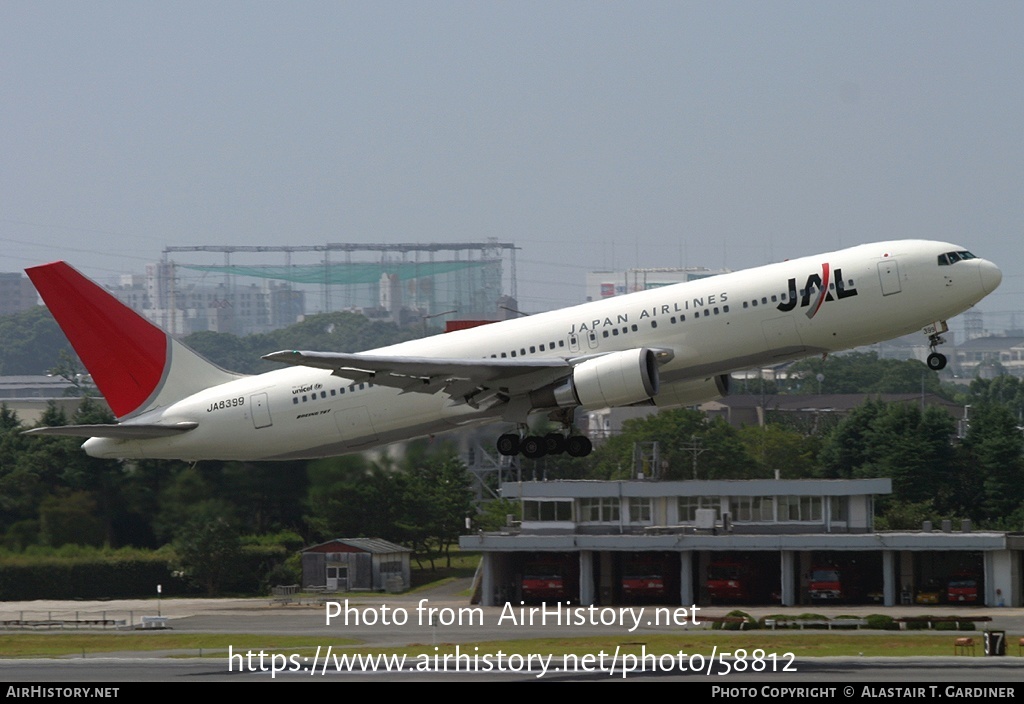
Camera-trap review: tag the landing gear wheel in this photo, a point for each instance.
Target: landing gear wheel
(578, 446)
(554, 444)
(508, 444)
(936, 361)
(532, 447)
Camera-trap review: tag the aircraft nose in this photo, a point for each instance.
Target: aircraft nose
(991, 276)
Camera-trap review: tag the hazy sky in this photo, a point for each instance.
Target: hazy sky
(592, 134)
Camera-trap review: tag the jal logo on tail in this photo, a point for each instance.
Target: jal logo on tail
(818, 286)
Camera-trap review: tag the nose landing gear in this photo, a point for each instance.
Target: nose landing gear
(936, 360)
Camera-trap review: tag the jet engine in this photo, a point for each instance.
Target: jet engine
(616, 379)
(691, 391)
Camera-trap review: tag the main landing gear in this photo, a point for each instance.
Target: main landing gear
(534, 446)
(936, 360)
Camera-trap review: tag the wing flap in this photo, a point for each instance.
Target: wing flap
(460, 379)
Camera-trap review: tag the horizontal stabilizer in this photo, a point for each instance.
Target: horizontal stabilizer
(120, 431)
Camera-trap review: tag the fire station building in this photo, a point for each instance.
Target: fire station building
(757, 541)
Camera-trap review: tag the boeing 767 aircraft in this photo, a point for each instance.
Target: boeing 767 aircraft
(669, 346)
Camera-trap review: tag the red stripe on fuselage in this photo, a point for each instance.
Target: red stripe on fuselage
(124, 352)
(824, 289)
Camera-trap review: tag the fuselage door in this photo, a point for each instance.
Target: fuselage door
(260, 410)
(889, 274)
(592, 339)
(355, 426)
(781, 337)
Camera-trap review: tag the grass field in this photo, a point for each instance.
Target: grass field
(805, 644)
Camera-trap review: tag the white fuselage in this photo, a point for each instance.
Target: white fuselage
(712, 326)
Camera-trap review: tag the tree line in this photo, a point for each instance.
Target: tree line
(939, 468)
(52, 494)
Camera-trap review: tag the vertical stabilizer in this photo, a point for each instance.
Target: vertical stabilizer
(136, 366)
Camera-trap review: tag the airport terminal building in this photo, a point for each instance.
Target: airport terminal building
(758, 541)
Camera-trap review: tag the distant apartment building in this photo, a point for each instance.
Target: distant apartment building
(991, 355)
(182, 309)
(605, 284)
(16, 293)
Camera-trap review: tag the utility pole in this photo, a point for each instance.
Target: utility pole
(694, 446)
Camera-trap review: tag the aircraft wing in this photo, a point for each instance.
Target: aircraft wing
(120, 431)
(462, 380)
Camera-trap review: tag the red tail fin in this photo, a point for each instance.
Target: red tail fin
(135, 364)
(123, 351)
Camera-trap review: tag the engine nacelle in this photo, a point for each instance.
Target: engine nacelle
(616, 379)
(692, 391)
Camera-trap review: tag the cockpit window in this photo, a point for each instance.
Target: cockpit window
(953, 257)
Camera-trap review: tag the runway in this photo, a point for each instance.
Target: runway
(432, 618)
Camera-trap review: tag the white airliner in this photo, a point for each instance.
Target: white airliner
(668, 346)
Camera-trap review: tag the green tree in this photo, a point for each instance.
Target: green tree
(1005, 390)
(894, 440)
(227, 351)
(493, 515)
(681, 433)
(31, 342)
(71, 518)
(442, 481)
(913, 448)
(846, 448)
(350, 497)
(995, 444)
(774, 447)
(208, 549)
(860, 373)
